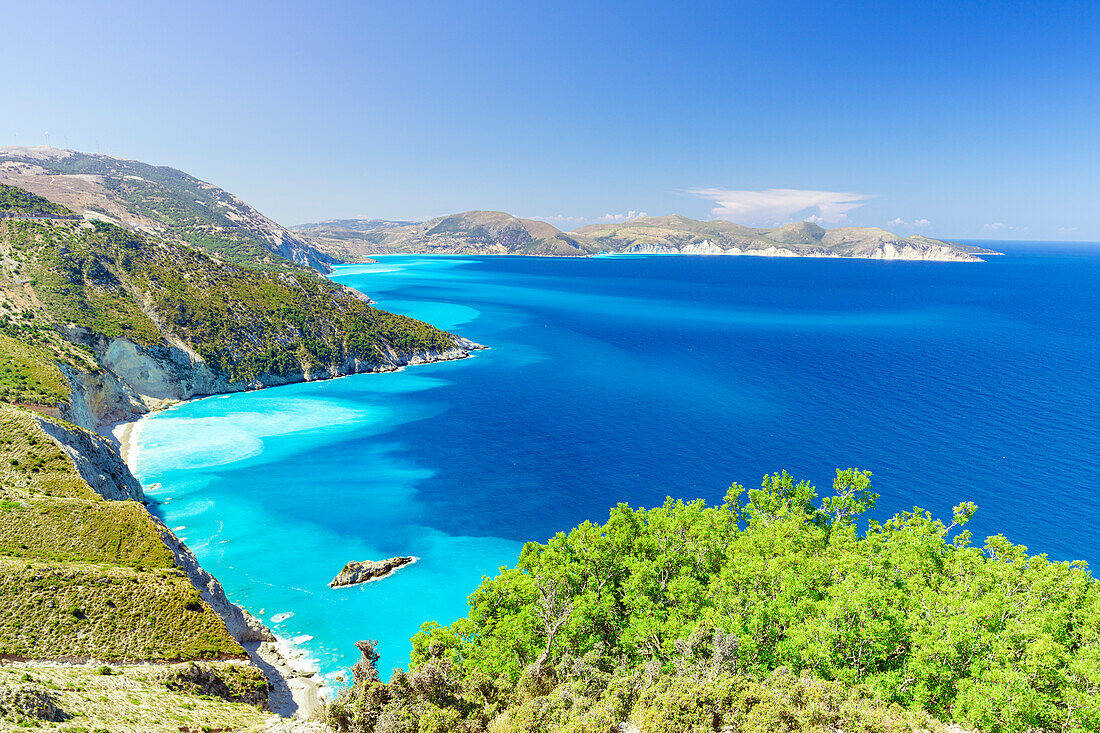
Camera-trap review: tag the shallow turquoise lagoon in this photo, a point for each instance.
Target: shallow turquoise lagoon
(629, 379)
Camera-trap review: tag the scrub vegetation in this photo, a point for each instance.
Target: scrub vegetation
(125, 699)
(169, 205)
(769, 612)
(244, 322)
(83, 577)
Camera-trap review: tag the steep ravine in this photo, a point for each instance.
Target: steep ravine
(135, 381)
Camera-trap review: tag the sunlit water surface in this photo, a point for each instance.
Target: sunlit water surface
(629, 379)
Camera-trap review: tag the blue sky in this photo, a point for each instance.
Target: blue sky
(961, 119)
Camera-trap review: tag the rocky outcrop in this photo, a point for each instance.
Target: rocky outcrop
(357, 572)
(99, 398)
(232, 682)
(97, 460)
(160, 373)
(648, 248)
(30, 704)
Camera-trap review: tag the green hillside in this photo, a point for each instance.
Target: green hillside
(162, 201)
(243, 322)
(471, 232)
(85, 570)
(83, 577)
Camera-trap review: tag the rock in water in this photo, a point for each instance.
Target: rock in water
(368, 570)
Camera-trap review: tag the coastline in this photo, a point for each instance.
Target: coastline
(301, 694)
(299, 690)
(765, 253)
(126, 434)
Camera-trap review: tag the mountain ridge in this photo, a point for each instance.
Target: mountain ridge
(160, 201)
(468, 232)
(493, 232)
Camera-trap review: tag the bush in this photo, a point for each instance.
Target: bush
(768, 612)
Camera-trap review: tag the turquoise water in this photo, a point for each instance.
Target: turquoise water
(629, 379)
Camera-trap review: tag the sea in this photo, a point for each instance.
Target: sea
(632, 379)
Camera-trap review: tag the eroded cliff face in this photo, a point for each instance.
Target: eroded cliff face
(136, 380)
(97, 460)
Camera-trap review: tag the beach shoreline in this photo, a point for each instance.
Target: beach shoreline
(301, 694)
(301, 691)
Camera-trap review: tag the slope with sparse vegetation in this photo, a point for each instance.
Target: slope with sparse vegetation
(132, 698)
(161, 201)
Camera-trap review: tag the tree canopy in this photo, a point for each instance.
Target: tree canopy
(774, 603)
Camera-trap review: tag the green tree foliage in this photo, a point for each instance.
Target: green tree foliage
(768, 612)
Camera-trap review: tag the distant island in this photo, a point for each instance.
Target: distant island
(497, 233)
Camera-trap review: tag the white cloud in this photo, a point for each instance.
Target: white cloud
(915, 224)
(780, 205)
(561, 220)
(622, 217)
(1000, 226)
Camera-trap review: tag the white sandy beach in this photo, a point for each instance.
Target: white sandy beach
(303, 695)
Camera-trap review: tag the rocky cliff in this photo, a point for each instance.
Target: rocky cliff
(364, 571)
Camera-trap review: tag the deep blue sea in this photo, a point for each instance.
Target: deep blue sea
(629, 379)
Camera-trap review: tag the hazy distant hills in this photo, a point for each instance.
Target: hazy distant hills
(471, 232)
(494, 232)
(165, 202)
(671, 234)
(160, 201)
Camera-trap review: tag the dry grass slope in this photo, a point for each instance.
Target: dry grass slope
(84, 577)
(132, 699)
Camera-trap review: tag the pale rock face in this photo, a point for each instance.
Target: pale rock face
(138, 380)
(163, 373)
(706, 247)
(99, 399)
(772, 251)
(651, 249)
(910, 251)
(97, 461)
